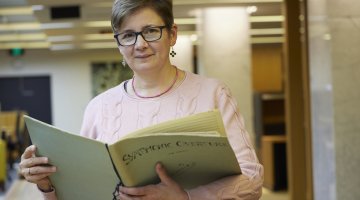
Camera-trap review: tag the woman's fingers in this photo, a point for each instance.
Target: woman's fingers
(32, 166)
(38, 177)
(36, 170)
(135, 191)
(30, 162)
(162, 173)
(29, 152)
(123, 196)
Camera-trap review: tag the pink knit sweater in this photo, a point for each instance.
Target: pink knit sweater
(114, 113)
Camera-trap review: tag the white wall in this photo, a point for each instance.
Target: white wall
(184, 54)
(334, 29)
(224, 53)
(70, 75)
(323, 151)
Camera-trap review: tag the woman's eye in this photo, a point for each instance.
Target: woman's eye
(127, 35)
(151, 30)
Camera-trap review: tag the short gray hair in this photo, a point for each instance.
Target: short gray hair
(124, 8)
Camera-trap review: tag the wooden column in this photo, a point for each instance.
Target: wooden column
(297, 101)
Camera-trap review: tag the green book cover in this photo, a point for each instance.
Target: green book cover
(193, 149)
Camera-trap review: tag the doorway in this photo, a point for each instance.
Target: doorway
(27, 93)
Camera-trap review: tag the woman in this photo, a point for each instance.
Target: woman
(145, 32)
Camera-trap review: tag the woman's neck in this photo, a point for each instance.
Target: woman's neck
(155, 83)
(154, 78)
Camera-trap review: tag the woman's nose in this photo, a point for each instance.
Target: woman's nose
(141, 42)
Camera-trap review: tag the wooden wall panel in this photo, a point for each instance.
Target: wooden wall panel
(267, 70)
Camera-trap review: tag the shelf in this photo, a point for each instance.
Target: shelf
(273, 120)
(274, 138)
(272, 96)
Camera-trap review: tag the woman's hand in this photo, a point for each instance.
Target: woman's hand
(36, 169)
(166, 189)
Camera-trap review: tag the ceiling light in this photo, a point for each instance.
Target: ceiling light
(20, 26)
(98, 24)
(189, 33)
(251, 9)
(59, 47)
(22, 37)
(101, 4)
(194, 2)
(25, 45)
(16, 11)
(267, 40)
(35, 26)
(99, 45)
(59, 25)
(193, 37)
(107, 36)
(37, 7)
(185, 20)
(60, 38)
(267, 31)
(276, 18)
(327, 36)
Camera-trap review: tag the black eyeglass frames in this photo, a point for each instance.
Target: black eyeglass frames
(150, 34)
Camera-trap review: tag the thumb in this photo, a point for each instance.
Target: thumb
(164, 177)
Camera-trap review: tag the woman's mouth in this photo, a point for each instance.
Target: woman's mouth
(143, 56)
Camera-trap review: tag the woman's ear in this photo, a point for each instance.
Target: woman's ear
(173, 34)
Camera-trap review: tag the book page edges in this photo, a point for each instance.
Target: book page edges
(186, 124)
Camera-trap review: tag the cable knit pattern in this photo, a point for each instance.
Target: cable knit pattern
(188, 100)
(114, 113)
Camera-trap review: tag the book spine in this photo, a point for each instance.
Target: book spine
(112, 162)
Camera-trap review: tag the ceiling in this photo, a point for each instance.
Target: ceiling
(28, 23)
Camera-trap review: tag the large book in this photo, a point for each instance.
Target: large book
(194, 150)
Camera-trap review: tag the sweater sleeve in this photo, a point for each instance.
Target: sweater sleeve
(248, 185)
(88, 128)
(49, 195)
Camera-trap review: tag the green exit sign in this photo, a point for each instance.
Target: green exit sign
(17, 52)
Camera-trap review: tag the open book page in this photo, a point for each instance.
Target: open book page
(190, 159)
(84, 168)
(203, 133)
(205, 121)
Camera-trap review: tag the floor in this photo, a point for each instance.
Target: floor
(28, 191)
(270, 195)
(22, 190)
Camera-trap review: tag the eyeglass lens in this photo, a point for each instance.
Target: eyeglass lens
(149, 34)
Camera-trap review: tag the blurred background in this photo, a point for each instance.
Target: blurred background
(293, 67)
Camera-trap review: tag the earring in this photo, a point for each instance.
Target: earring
(123, 63)
(172, 53)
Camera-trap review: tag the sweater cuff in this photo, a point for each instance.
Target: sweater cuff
(188, 194)
(48, 195)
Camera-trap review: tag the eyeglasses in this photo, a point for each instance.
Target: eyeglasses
(149, 34)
